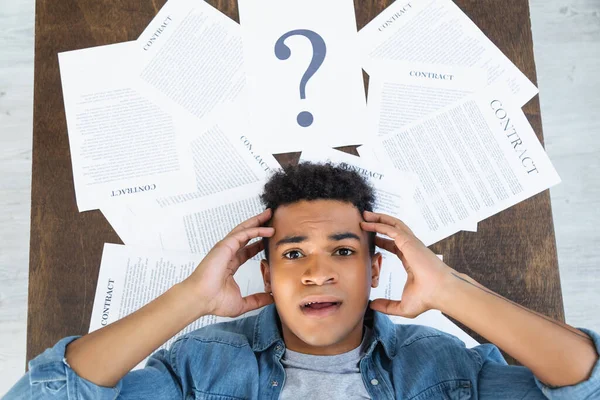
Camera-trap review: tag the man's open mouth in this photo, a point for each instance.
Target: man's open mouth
(320, 309)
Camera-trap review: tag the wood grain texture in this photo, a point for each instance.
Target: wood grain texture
(513, 253)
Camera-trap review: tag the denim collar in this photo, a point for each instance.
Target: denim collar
(266, 330)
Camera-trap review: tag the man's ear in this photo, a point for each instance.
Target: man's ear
(376, 260)
(266, 273)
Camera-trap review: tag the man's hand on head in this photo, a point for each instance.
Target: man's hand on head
(213, 282)
(427, 274)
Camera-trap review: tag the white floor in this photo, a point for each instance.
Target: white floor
(16, 113)
(567, 50)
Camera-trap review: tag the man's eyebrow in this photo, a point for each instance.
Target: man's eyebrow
(344, 235)
(291, 239)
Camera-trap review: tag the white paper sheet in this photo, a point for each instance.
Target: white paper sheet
(401, 93)
(124, 147)
(227, 161)
(474, 159)
(438, 32)
(135, 223)
(195, 226)
(191, 226)
(190, 55)
(131, 277)
(470, 227)
(334, 94)
(367, 153)
(421, 225)
(395, 192)
(226, 155)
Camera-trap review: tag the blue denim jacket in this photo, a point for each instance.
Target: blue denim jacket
(240, 359)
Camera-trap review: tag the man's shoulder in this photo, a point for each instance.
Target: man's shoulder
(228, 344)
(408, 335)
(237, 332)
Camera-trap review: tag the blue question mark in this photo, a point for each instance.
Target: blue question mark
(283, 52)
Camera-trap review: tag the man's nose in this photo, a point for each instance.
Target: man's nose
(319, 272)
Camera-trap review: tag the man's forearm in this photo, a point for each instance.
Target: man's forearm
(106, 355)
(559, 355)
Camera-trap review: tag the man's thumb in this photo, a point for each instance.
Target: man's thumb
(386, 306)
(256, 300)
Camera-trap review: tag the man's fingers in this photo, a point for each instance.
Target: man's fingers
(243, 237)
(386, 244)
(255, 301)
(370, 216)
(235, 241)
(253, 222)
(384, 229)
(399, 236)
(390, 246)
(250, 251)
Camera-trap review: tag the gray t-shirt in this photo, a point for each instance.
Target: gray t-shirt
(317, 377)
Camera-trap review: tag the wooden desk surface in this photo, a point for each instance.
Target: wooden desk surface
(513, 253)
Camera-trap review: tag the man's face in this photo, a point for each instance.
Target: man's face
(319, 249)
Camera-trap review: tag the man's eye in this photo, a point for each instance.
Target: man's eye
(293, 254)
(344, 252)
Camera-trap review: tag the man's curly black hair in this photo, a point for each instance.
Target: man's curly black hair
(311, 181)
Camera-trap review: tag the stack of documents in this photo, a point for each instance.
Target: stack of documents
(172, 135)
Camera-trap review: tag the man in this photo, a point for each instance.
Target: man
(319, 336)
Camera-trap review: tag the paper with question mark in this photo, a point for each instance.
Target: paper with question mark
(304, 80)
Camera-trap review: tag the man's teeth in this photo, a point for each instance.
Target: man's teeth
(316, 302)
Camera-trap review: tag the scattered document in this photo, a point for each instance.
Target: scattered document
(197, 225)
(226, 155)
(191, 56)
(474, 159)
(401, 93)
(395, 190)
(135, 223)
(304, 74)
(438, 32)
(132, 277)
(193, 226)
(123, 145)
(421, 225)
(227, 161)
(367, 153)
